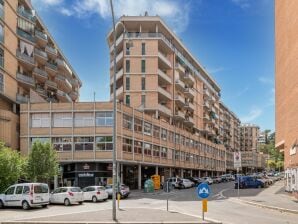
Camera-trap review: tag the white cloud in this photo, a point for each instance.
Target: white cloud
(176, 13)
(244, 4)
(265, 80)
(253, 114)
(47, 2)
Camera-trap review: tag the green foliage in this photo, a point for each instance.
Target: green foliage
(11, 166)
(42, 162)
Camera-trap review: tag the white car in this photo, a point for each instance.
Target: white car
(174, 181)
(25, 195)
(208, 180)
(95, 193)
(67, 196)
(187, 183)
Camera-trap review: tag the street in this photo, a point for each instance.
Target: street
(223, 206)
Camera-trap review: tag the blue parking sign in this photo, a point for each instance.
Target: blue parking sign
(203, 190)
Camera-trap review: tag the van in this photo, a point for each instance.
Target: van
(25, 195)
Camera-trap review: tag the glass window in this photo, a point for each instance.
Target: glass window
(138, 147)
(40, 139)
(147, 149)
(170, 154)
(127, 121)
(143, 48)
(62, 143)
(127, 100)
(127, 67)
(25, 26)
(19, 190)
(40, 120)
(10, 191)
(127, 145)
(163, 134)
(163, 152)
(1, 33)
(84, 143)
(26, 190)
(177, 138)
(84, 119)
(104, 118)
(156, 151)
(138, 125)
(171, 136)
(104, 143)
(156, 131)
(2, 64)
(177, 155)
(143, 66)
(143, 83)
(62, 120)
(143, 100)
(127, 83)
(127, 49)
(1, 78)
(147, 128)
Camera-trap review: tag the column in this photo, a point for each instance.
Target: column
(191, 173)
(170, 173)
(199, 173)
(55, 181)
(139, 177)
(181, 173)
(121, 173)
(156, 170)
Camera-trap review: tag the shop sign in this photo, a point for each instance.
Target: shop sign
(110, 166)
(86, 174)
(86, 167)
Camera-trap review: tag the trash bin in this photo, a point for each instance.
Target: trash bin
(156, 181)
(148, 186)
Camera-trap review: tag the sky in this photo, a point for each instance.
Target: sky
(232, 39)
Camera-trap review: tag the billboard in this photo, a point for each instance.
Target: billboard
(237, 159)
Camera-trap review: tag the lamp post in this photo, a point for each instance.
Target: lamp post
(114, 114)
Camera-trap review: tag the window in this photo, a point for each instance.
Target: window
(26, 190)
(62, 120)
(147, 149)
(182, 138)
(84, 143)
(156, 131)
(177, 138)
(170, 153)
(1, 9)
(84, 120)
(19, 189)
(138, 147)
(143, 100)
(40, 120)
(171, 136)
(127, 49)
(10, 191)
(163, 134)
(25, 26)
(2, 61)
(104, 118)
(40, 139)
(143, 68)
(104, 143)
(127, 121)
(127, 83)
(182, 156)
(143, 48)
(187, 157)
(187, 142)
(147, 128)
(143, 83)
(62, 143)
(127, 145)
(1, 34)
(1, 78)
(127, 67)
(163, 152)
(177, 155)
(127, 100)
(156, 150)
(138, 125)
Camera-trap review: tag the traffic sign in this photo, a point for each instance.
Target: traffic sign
(237, 159)
(203, 190)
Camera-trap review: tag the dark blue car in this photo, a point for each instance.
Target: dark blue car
(248, 182)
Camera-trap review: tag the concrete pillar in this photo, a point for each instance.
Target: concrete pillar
(121, 173)
(199, 173)
(191, 173)
(156, 170)
(55, 181)
(139, 177)
(170, 173)
(182, 173)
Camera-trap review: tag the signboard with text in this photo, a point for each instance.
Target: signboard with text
(237, 159)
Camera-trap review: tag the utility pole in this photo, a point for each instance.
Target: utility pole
(114, 115)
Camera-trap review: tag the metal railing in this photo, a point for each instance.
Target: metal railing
(41, 35)
(22, 99)
(40, 53)
(51, 50)
(40, 72)
(25, 57)
(25, 79)
(26, 13)
(52, 66)
(1, 61)
(26, 35)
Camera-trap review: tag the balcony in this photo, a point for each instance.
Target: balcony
(180, 68)
(179, 115)
(63, 97)
(24, 35)
(27, 14)
(26, 60)
(25, 80)
(207, 93)
(189, 78)
(40, 74)
(165, 61)
(119, 74)
(22, 99)
(74, 95)
(41, 91)
(41, 38)
(189, 92)
(51, 68)
(41, 56)
(188, 120)
(179, 84)
(51, 84)
(63, 83)
(165, 110)
(118, 59)
(206, 118)
(75, 82)
(206, 104)
(212, 98)
(164, 93)
(164, 76)
(118, 41)
(119, 92)
(180, 100)
(52, 52)
(189, 106)
(63, 66)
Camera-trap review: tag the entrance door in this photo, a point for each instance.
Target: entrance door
(86, 181)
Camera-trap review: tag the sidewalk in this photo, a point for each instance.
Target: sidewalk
(274, 197)
(127, 215)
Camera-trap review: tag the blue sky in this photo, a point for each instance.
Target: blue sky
(233, 40)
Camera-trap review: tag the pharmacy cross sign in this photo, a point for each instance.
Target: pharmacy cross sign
(203, 190)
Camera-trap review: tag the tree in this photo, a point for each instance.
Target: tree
(42, 162)
(11, 166)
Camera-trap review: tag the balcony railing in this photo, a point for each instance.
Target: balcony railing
(164, 109)
(180, 99)
(164, 59)
(51, 84)
(119, 39)
(41, 91)
(1, 11)
(40, 72)
(64, 95)
(51, 50)
(190, 105)
(25, 57)
(180, 83)
(22, 99)
(189, 91)
(25, 35)
(189, 77)
(41, 35)
(26, 13)
(52, 66)
(1, 61)
(179, 113)
(118, 58)
(180, 67)
(164, 92)
(25, 79)
(118, 75)
(40, 53)
(164, 76)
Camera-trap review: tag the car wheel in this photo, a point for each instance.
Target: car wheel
(1, 204)
(80, 202)
(94, 199)
(25, 205)
(66, 202)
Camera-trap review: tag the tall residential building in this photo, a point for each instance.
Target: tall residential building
(249, 134)
(286, 81)
(262, 138)
(32, 67)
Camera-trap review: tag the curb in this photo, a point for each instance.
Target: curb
(268, 206)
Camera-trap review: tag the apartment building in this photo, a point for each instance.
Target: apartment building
(262, 138)
(82, 135)
(286, 68)
(32, 67)
(249, 134)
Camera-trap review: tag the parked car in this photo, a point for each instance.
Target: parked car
(95, 193)
(26, 195)
(187, 183)
(67, 196)
(124, 190)
(249, 182)
(174, 181)
(195, 180)
(224, 178)
(217, 180)
(208, 180)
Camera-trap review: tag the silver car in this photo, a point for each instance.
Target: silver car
(124, 190)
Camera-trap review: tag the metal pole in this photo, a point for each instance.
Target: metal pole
(238, 182)
(114, 114)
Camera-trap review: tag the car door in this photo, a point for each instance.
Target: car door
(54, 195)
(18, 196)
(9, 196)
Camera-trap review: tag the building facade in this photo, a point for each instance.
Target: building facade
(249, 134)
(32, 67)
(286, 67)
